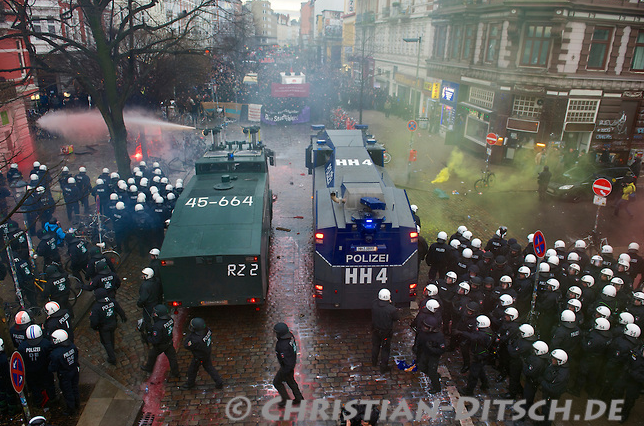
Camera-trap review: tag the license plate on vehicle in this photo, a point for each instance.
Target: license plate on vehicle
(366, 248)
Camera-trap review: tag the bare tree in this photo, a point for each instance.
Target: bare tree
(109, 47)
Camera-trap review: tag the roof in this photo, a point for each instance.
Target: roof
(208, 221)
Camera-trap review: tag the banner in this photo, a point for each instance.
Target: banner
(287, 116)
(231, 109)
(289, 90)
(254, 112)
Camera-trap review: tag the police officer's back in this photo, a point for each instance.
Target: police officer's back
(58, 319)
(383, 316)
(160, 339)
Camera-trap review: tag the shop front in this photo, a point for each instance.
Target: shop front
(448, 98)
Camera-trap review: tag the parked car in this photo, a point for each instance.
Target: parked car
(576, 183)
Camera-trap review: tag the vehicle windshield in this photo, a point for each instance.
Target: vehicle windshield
(577, 173)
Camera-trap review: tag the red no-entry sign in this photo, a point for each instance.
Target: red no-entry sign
(602, 187)
(491, 138)
(17, 372)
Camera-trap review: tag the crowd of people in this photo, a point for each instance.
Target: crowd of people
(138, 207)
(569, 323)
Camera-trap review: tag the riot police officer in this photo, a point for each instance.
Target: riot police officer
(160, 339)
(533, 367)
(26, 280)
(594, 346)
(57, 287)
(84, 187)
(35, 354)
(103, 318)
(64, 361)
(286, 351)
(518, 349)
(78, 255)
(429, 346)
(554, 380)
(18, 331)
(480, 343)
(383, 315)
(106, 279)
(72, 196)
(150, 295)
(438, 257)
(199, 342)
(58, 319)
(617, 354)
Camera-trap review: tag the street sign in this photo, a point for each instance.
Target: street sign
(539, 242)
(602, 187)
(17, 372)
(491, 138)
(412, 125)
(600, 201)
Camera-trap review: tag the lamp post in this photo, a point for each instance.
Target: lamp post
(415, 107)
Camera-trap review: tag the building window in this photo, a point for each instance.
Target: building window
(493, 41)
(468, 43)
(441, 38)
(638, 54)
(599, 48)
(51, 27)
(456, 39)
(482, 97)
(536, 46)
(526, 106)
(582, 110)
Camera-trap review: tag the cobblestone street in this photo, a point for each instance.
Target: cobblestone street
(334, 346)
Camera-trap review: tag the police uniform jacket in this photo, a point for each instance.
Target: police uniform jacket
(35, 356)
(508, 331)
(149, 295)
(554, 381)
(429, 345)
(160, 335)
(84, 184)
(24, 273)
(64, 359)
(519, 348)
(61, 320)
(481, 343)
(286, 352)
(636, 368)
(438, 254)
(78, 252)
(199, 343)
(638, 314)
(534, 366)
(619, 351)
(71, 193)
(57, 286)
(107, 280)
(383, 315)
(567, 338)
(103, 314)
(18, 334)
(595, 344)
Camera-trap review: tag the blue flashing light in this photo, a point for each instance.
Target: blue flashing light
(371, 141)
(369, 224)
(231, 156)
(317, 127)
(361, 126)
(321, 141)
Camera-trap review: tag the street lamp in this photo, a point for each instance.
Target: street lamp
(415, 107)
(418, 40)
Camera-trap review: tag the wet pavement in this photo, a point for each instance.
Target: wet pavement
(334, 346)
